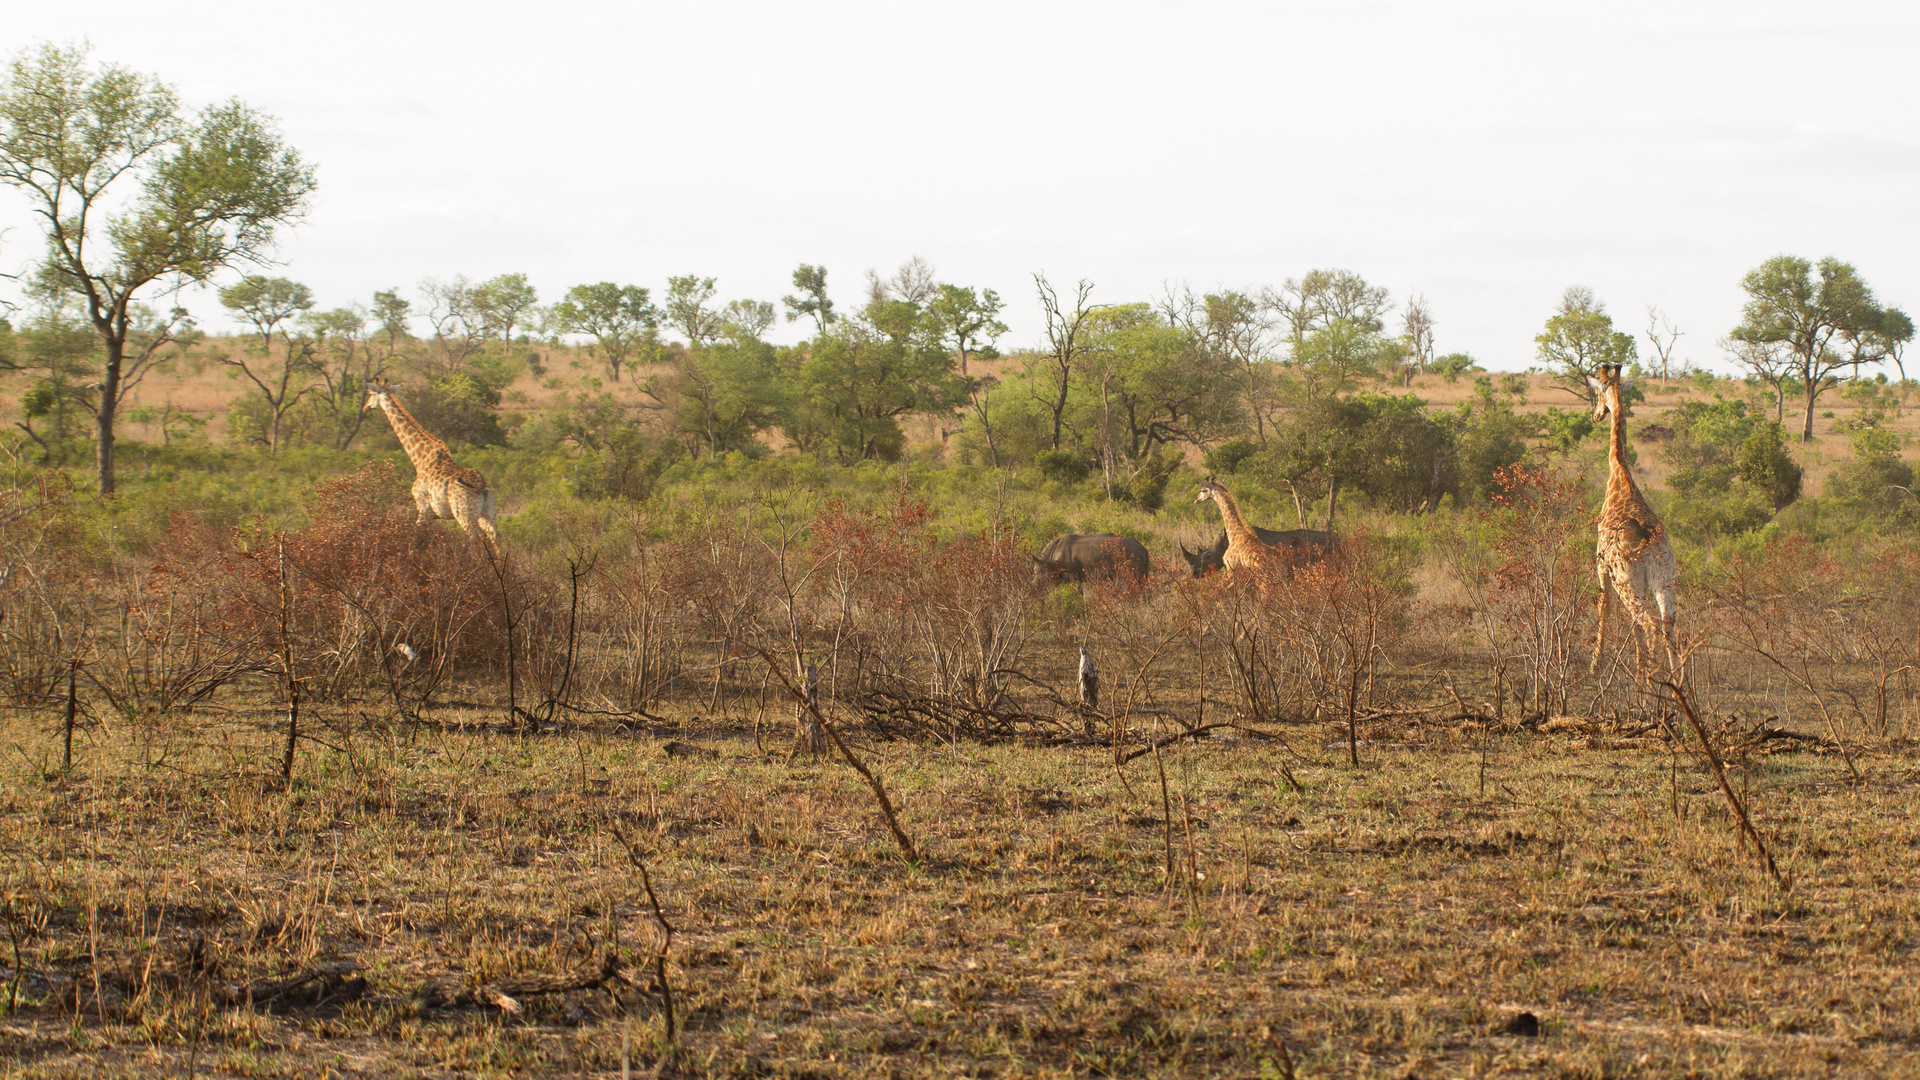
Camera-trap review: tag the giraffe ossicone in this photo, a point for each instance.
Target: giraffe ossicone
(441, 488)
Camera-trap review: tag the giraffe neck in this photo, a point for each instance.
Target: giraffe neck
(1619, 476)
(1238, 531)
(422, 449)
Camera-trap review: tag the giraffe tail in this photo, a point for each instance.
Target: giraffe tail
(487, 535)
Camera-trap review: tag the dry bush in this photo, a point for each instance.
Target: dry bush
(1840, 635)
(1306, 643)
(906, 625)
(634, 610)
(168, 645)
(726, 577)
(360, 581)
(46, 606)
(1528, 584)
(968, 607)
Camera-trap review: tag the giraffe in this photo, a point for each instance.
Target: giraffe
(441, 489)
(1633, 559)
(1244, 549)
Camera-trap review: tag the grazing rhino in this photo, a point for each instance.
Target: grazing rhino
(1307, 546)
(1074, 557)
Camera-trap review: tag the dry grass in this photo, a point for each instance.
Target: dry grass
(1065, 919)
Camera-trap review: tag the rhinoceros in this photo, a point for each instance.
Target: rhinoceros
(1306, 545)
(1074, 557)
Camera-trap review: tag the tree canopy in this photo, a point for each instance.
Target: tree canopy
(132, 193)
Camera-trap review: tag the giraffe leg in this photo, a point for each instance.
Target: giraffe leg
(1663, 602)
(1645, 627)
(423, 501)
(1600, 638)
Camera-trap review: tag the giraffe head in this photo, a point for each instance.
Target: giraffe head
(1208, 488)
(379, 395)
(1607, 390)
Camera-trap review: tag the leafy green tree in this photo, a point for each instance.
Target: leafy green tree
(392, 312)
(686, 309)
(268, 304)
(1334, 322)
(1579, 339)
(621, 318)
(1487, 435)
(1764, 463)
(857, 383)
(1453, 365)
(345, 360)
(1147, 387)
(746, 320)
(60, 349)
(1235, 329)
(965, 321)
(504, 302)
(134, 196)
(1814, 328)
(599, 446)
(1316, 449)
(811, 300)
(726, 394)
(1719, 445)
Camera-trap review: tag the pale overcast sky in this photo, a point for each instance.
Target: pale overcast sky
(1486, 155)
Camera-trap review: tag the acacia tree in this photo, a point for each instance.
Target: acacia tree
(504, 302)
(1579, 339)
(268, 304)
(1815, 329)
(459, 322)
(686, 309)
(1334, 335)
(345, 360)
(193, 197)
(392, 311)
(812, 301)
(1235, 330)
(621, 318)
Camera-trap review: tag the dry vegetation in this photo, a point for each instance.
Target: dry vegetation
(1327, 824)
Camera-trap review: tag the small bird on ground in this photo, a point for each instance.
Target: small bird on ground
(1089, 681)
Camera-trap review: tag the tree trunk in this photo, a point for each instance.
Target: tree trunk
(109, 402)
(1813, 393)
(809, 737)
(1333, 498)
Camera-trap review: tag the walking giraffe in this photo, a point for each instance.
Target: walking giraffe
(1633, 558)
(1244, 549)
(441, 489)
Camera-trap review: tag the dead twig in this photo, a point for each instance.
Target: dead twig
(666, 929)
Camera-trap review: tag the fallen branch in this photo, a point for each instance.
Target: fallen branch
(879, 793)
(1720, 774)
(1169, 740)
